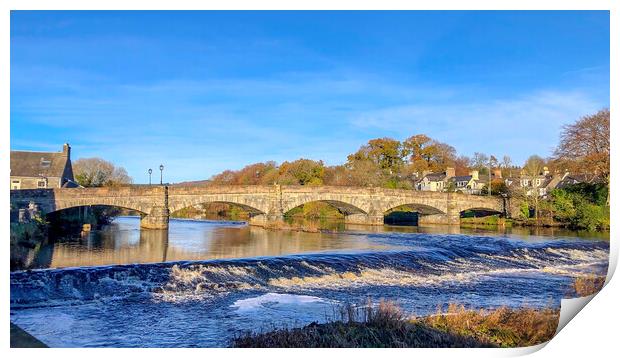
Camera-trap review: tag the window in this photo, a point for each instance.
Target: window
(45, 163)
(42, 184)
(16, 184)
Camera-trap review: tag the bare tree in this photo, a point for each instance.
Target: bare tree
(95, 172)
(480, 161)
(507, 165)
(532, 169)
(586, 143)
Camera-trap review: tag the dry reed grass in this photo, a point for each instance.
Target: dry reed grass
(386, 326)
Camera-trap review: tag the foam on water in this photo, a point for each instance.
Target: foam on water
(440, 263)
(271, 298)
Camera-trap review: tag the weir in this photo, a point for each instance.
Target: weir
(267, 204)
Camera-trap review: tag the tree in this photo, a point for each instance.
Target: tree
(337, 175)
(385, 152)
(96, 172)
(425, 153)
(480, 162)
(365, 173)
(493, 162)
(506, 166)
(533, 166)
(584, 145)
(462, 165)
(253, 174)
(302, 172)
(532, 169)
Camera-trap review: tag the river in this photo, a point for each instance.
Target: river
(204, 282)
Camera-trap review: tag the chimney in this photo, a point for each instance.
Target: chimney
(474, 174)
(497, 173)
(66, 150)
(449, 172)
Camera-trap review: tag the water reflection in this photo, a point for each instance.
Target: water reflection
(123, 242)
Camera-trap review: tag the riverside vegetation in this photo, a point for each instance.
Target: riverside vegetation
(385, 326)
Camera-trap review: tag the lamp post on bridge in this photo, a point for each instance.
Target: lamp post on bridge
(161, 174)
(150, 172)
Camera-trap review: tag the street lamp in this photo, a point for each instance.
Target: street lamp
(161, 174)
(150, 172)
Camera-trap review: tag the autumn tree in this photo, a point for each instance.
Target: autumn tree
(584, 145)
(365, 172)
(386, 153)
(337, 175)
(253, 174)
(302, 172)
(424, 153)
(462, 165)
(96, 172)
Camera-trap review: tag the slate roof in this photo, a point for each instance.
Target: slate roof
(572, 180)
(461, 178)
(435, 176)
(35, 164)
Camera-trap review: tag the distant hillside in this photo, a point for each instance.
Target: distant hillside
(193, 183)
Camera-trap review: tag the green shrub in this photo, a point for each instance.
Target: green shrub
(582, 206)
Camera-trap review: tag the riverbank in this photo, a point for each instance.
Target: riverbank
(386, 327)
(25, 237)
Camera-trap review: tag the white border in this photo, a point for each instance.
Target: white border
(593, 332)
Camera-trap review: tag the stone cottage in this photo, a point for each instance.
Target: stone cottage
(40, 170)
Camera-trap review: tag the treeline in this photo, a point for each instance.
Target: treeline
(389, 163)
(382, 162)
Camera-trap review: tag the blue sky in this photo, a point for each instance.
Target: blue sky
(202, 92)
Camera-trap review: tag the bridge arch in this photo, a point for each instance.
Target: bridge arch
(249, 205)
(411, 214)
(422, 209)
(66, 206)
(349, 204)
(482, 208)
(480, 211)
(252, 211)
(341, 206)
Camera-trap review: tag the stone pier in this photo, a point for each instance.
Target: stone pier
(157, 219)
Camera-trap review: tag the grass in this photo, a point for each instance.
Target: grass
(386, 326)
(588, 285)
(503, 327)
(491, 220)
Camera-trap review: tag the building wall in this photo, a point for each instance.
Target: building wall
(33, 182)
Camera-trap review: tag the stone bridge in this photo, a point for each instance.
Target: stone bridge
(266, 203)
